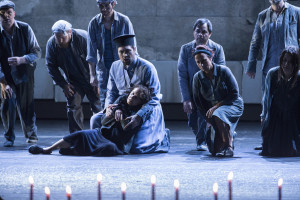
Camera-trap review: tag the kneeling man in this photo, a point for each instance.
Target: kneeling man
(125, 73)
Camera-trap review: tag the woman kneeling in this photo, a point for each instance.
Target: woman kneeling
(216, 95)
(281, 107)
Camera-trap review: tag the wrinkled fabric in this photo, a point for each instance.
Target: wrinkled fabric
(91, 143)
(152, 136)
(22, 43)
(96, 46)
(187, 68)
(222, 88)
(281, 111)
(261, 34)
(76, 72)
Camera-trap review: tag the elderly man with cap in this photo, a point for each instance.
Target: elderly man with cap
(129, 71)
(102, 51)
(66, 49)
(276, 28)
(19, 51)
(187, 67)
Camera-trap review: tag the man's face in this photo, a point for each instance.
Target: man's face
(7, 17)
(277, 5)
(63, 39)
(106, 9)
(127, 54)
(201, 34)
(204, 62)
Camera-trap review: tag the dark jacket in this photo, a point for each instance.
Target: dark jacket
(24, 44)
(55, 58)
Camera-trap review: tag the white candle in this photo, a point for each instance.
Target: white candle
(215, 189)
(47, 192)
(176, 185)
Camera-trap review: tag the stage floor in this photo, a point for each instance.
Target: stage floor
(255, 177)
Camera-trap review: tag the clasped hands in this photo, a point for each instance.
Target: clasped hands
(134, 120)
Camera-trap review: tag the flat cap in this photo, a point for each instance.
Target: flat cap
(61, 26)
(6, 4)
(124, 40)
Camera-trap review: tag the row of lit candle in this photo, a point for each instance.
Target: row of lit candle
(153, 182)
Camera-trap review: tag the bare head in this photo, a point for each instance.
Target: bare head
(106, 7)
(202, 31)
(289, 63)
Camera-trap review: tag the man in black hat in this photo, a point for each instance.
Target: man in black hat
(129, 71)
(101, 49)
(19, 51)
(66, 49)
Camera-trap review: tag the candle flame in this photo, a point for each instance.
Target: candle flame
(215, 187)
(123, 187)
(153, 179)
(47, 191)
(68, 190)
(30, 179)
(99, 178)
(230, 176)
(280, 181)
(176, 184)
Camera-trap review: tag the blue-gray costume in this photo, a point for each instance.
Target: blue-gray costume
(222, 88)
(275, 33)
(76, 70)
(152, 136)
(111, 139)
(281, 114)
(101, 49)
(20, 78)
(187, 68)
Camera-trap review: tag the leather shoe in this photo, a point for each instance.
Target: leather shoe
(8, 143)
(258, 147)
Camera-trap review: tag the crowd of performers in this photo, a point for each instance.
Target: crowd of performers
(123, 89)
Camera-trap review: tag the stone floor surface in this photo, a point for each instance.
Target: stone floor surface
(255, 177)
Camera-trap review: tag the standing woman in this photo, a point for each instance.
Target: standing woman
(216, 95)
(281, 107)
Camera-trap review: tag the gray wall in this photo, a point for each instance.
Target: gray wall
(161, 27)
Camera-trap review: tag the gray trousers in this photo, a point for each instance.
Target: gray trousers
(22, 101)
(198, 125)
(74, 107)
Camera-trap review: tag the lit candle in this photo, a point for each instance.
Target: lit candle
(31, 187)
(153, 181)
(230, 176)
(215, 189)
(47, 192)
(176, 185)
(69, 192)
(123, 189)
(280, 181)
(99, 179)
